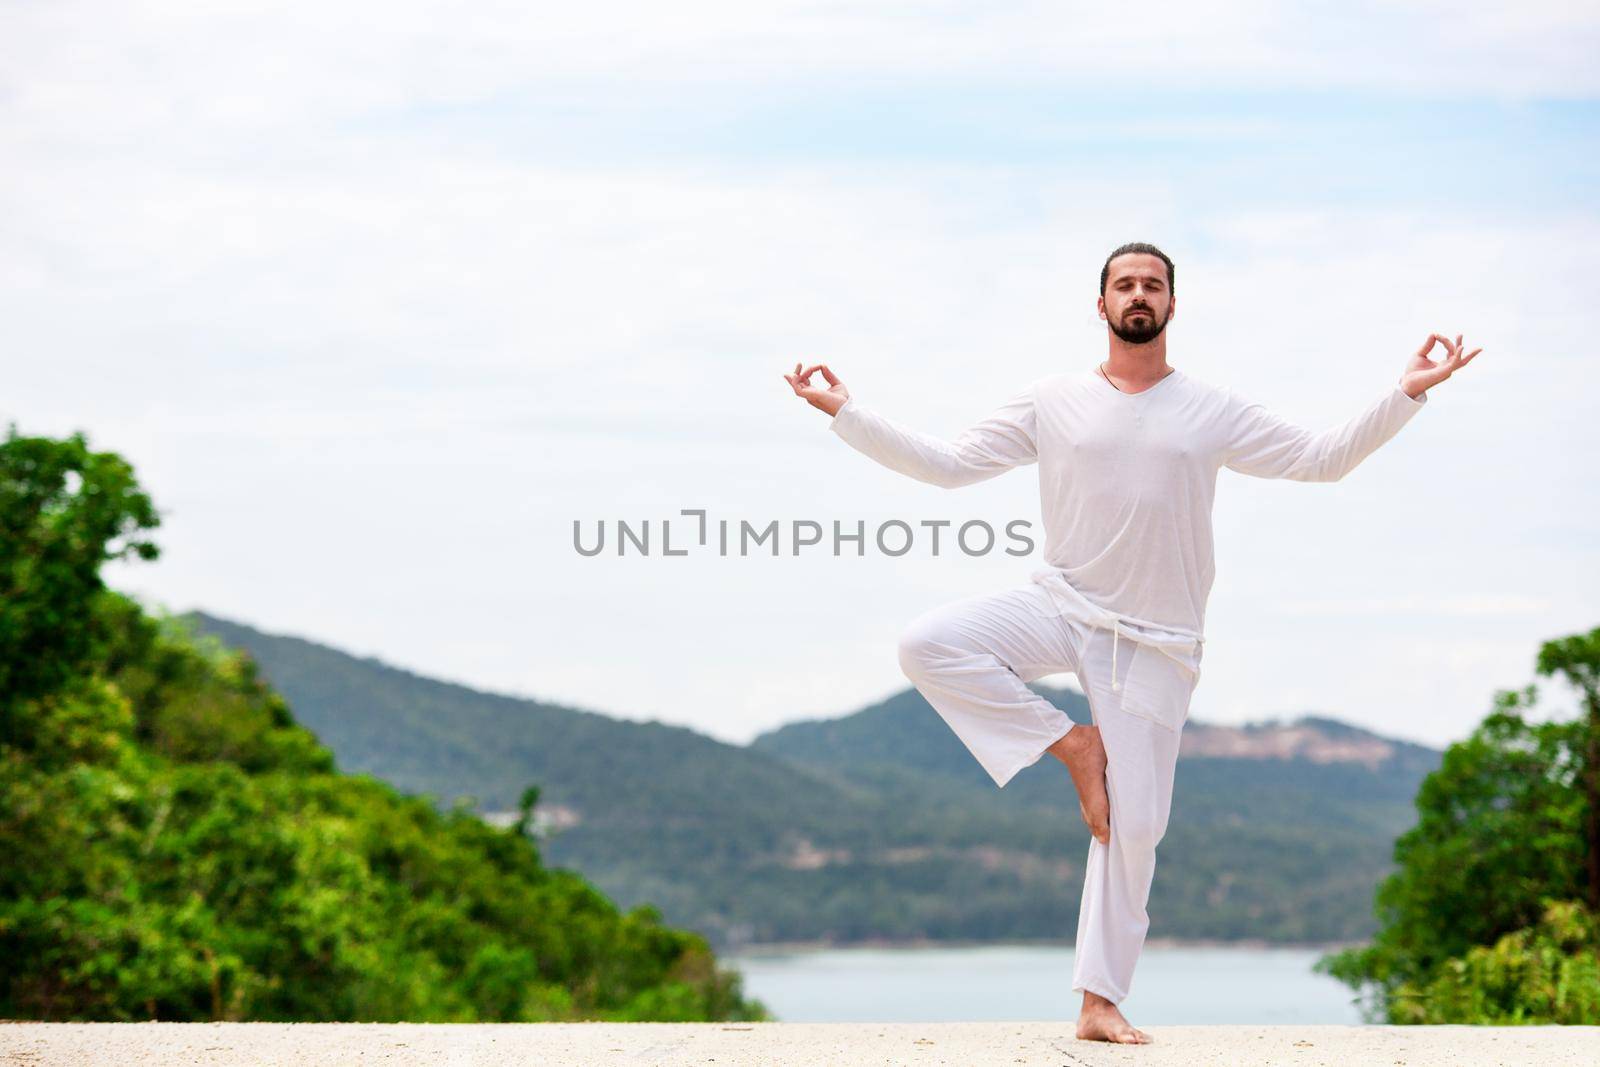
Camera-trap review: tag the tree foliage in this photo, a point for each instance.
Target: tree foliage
(177, 847)
(1485, 917)
(1547, 973)
(64, 511)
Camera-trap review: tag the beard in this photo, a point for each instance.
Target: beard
(1140, 331)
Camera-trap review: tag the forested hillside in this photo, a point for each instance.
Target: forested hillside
(877, 825)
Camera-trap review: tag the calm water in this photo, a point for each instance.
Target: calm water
(1173, 986)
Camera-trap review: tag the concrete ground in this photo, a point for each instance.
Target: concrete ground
(782, 1045)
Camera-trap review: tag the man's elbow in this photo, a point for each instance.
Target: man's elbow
(1313, 472)
(951, 475)
(1326, 470)
(1321, 465)
(952, 479)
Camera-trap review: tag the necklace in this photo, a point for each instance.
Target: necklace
(1102, 369)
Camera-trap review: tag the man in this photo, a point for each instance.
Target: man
(1128, 457)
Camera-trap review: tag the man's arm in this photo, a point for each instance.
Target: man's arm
(1003, 440)
(1265, 446)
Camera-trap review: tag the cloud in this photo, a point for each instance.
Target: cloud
(380, 299)
(165, 73)
(1415, 606)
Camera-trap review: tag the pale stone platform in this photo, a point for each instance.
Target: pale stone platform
(782, 1045)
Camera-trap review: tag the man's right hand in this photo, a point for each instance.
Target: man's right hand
(830, 399)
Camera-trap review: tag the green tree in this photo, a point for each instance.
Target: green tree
(1548, 973)
(64, 511)
(177, 847)
(1577, 659)
(1504, 833)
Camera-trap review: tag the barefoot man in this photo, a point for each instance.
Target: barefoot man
(1128, 455)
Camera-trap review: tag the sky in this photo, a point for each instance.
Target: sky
(381, 299)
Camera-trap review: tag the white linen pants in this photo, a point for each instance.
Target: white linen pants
(970, 658)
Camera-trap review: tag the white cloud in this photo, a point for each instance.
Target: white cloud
(170, 71)
(1416, 606)
(432, 521)
(373, 379)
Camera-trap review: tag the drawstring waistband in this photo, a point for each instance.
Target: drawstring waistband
(1178, 644)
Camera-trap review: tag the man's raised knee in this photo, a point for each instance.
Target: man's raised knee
(919, 648)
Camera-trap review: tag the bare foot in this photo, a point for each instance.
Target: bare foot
(1085, 756)
(1101, 1021)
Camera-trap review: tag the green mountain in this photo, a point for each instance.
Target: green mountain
(874, 826)
(179, 848)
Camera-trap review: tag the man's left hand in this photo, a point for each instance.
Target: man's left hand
(1422, 373)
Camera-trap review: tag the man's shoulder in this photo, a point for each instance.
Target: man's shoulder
(1059, 380)
(1214, 394)
(1201, 385)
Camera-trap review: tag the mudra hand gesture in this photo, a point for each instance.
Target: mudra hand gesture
(1422, 373)
(830, 399)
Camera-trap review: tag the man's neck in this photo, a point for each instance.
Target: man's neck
(1135, 368)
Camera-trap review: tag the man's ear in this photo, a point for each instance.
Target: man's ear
(1172, 307)
(1100, 304)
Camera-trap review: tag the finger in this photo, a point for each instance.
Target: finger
(827, 374)
(1427, 346)
(814, 368)
(1468, 358)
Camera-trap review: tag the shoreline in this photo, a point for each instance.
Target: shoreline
(789, 948)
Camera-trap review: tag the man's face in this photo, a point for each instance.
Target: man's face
(1137, 304)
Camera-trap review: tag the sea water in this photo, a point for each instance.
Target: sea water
(1173, 986)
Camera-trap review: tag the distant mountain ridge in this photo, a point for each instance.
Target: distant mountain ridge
(877, 825)
(1309, 737)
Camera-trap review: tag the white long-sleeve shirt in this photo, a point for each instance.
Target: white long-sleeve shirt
(1126, 483)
